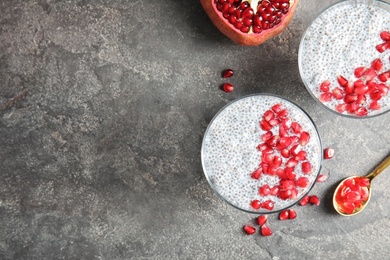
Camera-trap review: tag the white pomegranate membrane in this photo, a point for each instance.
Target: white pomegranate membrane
(341, 39)
(230, 154)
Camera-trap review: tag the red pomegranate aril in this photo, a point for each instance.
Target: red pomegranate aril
(369, 74)
(263, 146)
(274, 122)
(283, 215)
(304, 138)
(244, 29)
(291, 163)
(277, 108)
(295, 150)
(302, 182)
(324, 87)
(289, 173)
(266, 136)
(262, 219)
(264, 168)
(268, 115)
(383, 89)
(273, 141)
(256, 174)
(325, 97)
(277, 161)
(286, 184)
(268, 204)
(338, 93)
(249, 229)
(248, 13)
(349, 98)
(342, 81)
(264, 190)
(376, 95)
(301, 156)
(361, 111)
(283, 113)
(255, 204)
(304, 201)
(265, 125)
(228, 72)
(359, 72)
(285, 153)
(322, 177)
(385, 35)
(285, 194)
(349, 88)
(377, 64)
(313, 199)
(292, 214)
(283, 143)
(267, 158)
(374, 105)
(361, 99)
(232, 19)
(328, 153)
(361, 90)
(341, 108)
(384, 76)
(383, 46)
(275, 190)
(306, 167)
(296, 127)
(266, 230)
(351, 107)
(227, 87)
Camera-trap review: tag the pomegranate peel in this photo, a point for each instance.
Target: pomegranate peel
(251, 22)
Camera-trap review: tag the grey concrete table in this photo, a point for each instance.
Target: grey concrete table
(103, 106)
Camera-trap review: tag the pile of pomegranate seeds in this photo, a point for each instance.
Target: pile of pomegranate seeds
(265, 230)
(362, 94)
(281, 154)
(385, 36)
(253, 16)
(353, 194)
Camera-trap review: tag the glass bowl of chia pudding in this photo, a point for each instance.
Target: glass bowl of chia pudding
(344, 58)
(261, 153)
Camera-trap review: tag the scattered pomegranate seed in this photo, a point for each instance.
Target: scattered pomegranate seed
(304, 201)
(313, 199)
(227, 87)
(256, 174)
(377, 64)
(227, 73)
(264, 190)
(342, 81)
(268, 204)
(249, 229)
(328, 153)
(322, 177)
(266, 230)
(385, 35)
(283, 215)
(262, 219)
(292, 214)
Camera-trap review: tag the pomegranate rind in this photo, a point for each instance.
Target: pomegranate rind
(246, 39)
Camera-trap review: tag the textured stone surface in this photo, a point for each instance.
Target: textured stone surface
(103, 106)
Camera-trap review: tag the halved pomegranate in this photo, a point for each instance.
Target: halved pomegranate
(250, 22)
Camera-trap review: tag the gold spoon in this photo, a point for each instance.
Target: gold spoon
(370, 177)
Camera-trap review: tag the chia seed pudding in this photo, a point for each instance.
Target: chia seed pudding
(341, 39)
(229, 152)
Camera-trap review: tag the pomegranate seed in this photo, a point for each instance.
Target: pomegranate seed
(358, 83)
(383, 88)
(264, 190)
(383, 46)
(304, 138)
(289, 173)
(374, 105)
(338, 93)
(342, 81)
(302, 182)
(262, 219)
(385, 35)
(349, 88)
(304, 201)
(265, 230)
(350, 98)
(322, 177)
(277, 108)
(306, 167)
(364, 182)
(369, 74)
(377, 64)
(295, 150)
(268, 204)
(255, 204)
(359, 72)
(286, 184)
(361, 90)
(266, 136)
(228, 73)
(328, 153)
(283, 215)
(313, 199)
(325, 97)
(291, 163)
(275, 190)
(324, 87)
(301, 156)
(292, 214)
(227, 87)
(265, 125)
(283, 113)
(285, 153)
(256, 174)
(376, 95)
(274, 122)
(268, 115)
(263, 146)
(249, 229)
(361, 111)
(341, 108)
(296, 127)
(351, 107)
(361, 99)
(384, 76)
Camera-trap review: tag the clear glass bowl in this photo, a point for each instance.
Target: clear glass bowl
(340, 39)
(229, 152)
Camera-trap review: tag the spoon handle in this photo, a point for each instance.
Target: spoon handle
(383, 165)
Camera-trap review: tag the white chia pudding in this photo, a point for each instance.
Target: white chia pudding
(230, 154)
(341, 39)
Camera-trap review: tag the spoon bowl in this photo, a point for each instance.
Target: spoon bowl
(356, 188)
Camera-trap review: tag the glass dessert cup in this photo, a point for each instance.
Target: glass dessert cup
(230, 153)
(343, 38)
